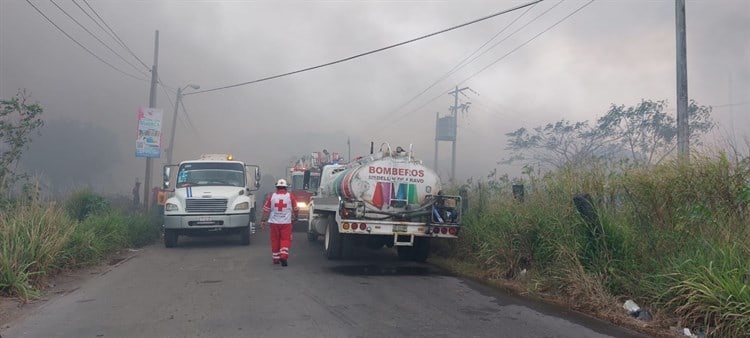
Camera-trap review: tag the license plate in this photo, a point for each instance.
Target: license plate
(399, 228)
(205, 219)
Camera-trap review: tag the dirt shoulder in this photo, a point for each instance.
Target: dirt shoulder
(13, 309)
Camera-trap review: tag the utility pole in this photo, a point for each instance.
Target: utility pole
(454, 113)
(683, 131)
(437, 140)
(151, 104)
(177, 102)
(174, 125)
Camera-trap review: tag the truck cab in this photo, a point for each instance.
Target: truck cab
(211, 195)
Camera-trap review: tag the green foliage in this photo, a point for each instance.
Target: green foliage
(38, 239)
(674, 237)
(84, 203)
(18, 121)
(31, 236)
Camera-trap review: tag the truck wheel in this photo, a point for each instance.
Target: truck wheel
(170, 238)
(245, 236)
(421, 249)
(332, 243)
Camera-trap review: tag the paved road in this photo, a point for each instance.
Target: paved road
(212, 287)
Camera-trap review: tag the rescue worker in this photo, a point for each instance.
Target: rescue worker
(280, 210)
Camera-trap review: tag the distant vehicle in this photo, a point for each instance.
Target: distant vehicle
(303, 176)
(212, 194)
(385, 199)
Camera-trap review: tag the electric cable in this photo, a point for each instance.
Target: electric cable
(457, 66)
(370, 52)
(525, 43)
(122, 43)
(97, 38)
(82, 46)
(494, 62)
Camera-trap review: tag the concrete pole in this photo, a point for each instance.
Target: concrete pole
(683, 131)
(455, 135)
(174, 125)
(151, 104)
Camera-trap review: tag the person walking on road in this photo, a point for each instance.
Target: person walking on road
(280, 210)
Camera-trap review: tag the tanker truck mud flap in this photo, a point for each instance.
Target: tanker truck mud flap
(403, 240)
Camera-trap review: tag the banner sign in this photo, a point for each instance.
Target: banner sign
(148, 143)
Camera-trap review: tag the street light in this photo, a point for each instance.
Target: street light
(174, 118)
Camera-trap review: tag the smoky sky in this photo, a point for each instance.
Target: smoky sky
(610, 52)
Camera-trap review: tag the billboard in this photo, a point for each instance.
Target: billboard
(148, 141)
(445, 130)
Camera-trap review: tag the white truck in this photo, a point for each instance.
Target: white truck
(385, 199)
(212, 194)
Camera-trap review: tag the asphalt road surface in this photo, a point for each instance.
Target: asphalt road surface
(213, 287)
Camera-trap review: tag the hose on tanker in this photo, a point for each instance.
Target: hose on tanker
(419, 212)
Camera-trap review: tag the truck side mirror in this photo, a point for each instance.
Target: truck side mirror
(166, 175)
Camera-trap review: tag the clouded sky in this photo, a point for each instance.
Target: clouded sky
(609, 52)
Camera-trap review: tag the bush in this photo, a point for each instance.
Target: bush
(84, 203)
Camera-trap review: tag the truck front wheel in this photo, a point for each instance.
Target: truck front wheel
(245, 236)
(170, 238)
(332, 243)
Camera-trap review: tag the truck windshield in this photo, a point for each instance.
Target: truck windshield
(298, 181)
(211, 173)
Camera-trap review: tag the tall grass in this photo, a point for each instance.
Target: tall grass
(39, 239)
(675, 237)
(31, 237)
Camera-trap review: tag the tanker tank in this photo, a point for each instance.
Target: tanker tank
(386, 184)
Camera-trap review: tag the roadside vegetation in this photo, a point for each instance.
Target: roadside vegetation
(596, 229)
(41, 236)
(675, 239)
(39, 239)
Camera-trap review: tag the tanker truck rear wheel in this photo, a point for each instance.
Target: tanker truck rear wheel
(332, 243)
(421, 249)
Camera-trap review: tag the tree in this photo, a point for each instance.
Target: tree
(647, 133)
(19, 119)
(557, 143)
(643, 133)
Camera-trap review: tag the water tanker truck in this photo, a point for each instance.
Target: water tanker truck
(387, 198)
(211, 195)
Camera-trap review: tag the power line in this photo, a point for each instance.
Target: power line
(527, 42)
(516, 31)
(111, 36)
(97, 38)
(370, 52)
(494, 62)
(122, 43)
(82, 46)
(464, 62)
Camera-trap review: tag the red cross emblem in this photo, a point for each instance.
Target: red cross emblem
(281, 205)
